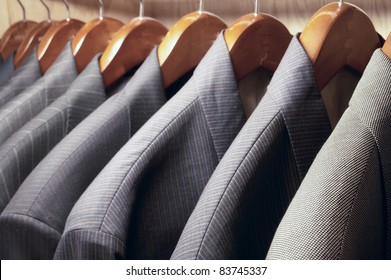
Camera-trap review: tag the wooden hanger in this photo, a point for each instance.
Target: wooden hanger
(130, 46)
(94, 38)
(56, 38)
(186, 43)
(33, 38)
(338, 35)
(387, 47)
(15, 34)
(256, 40)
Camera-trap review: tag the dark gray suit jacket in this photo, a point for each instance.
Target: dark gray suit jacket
(21, 153)
(38, 96)
(342, 210)
(7, 68)
(253, 185)
(138, 205)
(22, 78)
(32, 223)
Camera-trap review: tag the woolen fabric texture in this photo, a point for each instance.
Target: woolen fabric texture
(21, 153)
(138, 205)
(251, 188)
(32, 224)
(22, 78)
(7, 68)
(342, 208)
(38, 96)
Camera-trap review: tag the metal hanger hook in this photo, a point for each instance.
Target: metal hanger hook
(47, 9)
(257, 7)
(201, 6)
(101, 8)
(23, 9)
(341, 3)
(66, 3)
(141, 8)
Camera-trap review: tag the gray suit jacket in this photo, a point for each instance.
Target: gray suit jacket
(38, 96)
(22, 78)
(138, 205)
(32, 223)
(21, 153)
(342, 210)
(253, 185)
(7, 68)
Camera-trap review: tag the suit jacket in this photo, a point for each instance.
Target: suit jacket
(35, 98)
(138, 205)
(20, 154)
(7, 68)
(32, 223)
(251, 188)
(342, 209)
(22, 78)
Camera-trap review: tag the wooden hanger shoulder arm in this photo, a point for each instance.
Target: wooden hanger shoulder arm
(186, 43)
(32, 39)
(256, 40)
(14, 36)
(130, 46)
(93, 38)
(387, 47)
(336, 37)
(55, 40)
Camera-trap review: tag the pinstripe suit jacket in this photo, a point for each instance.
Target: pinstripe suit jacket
(251, 188)
(29, 145)
(22, 78)
(138, 205)
(32, 223)
(7, 68)
(38, 96)
(342, 209)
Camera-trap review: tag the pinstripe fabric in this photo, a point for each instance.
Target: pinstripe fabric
(138, 205)
(7, 68)
(252, 186)
(30, 144)
(342, 208)
(38, 96)
(22, 78)
(50, 191)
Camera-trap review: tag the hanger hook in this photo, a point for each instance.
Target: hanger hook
(257, 7)
(23, 9)
(141, 8)
(101, 8)
(341, 3)
(47, 9)
(66, 3)
(201, 6)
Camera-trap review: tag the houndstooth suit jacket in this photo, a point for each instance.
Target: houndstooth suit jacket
(342, 209)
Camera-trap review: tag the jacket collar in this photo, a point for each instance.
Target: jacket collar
(7, 68)
(65, 61)
(88, 90)
(30, 62)
(216, 85)
(371, 102)
(28, 70)
(294, 89)
(145, 91)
